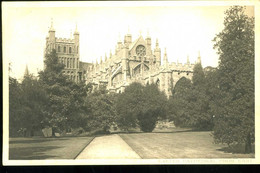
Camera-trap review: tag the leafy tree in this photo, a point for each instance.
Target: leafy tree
(26, 105)
(101, 110)
(66, 105)
(127, 106)
(77, 109)
(212, 91)
(199, 101)
(15, 106)
(234, 121)
(140, 105)
(198, 78)
(189, 105)
(178, 104)
(34, 98)
(153, 107)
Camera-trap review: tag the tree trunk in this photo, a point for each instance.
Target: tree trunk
(248, 147)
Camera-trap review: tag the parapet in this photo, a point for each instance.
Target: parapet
(65, 40)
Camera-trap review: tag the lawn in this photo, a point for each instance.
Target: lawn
(178, 144)
(46, 148)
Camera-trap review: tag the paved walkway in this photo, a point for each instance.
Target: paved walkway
(108, 147)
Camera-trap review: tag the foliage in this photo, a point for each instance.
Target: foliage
(178, 104)
(234, 122)
(153, 107)
(128, 106)
(65, 107)
(26, 100)
(140, 105)
(34, 100)
(101, 110)
(212, 91)
(199, 103)
(15, 106)
(189, 106)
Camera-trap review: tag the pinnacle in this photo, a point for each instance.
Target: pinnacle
(26, 73)
(51, 28)
(76, 29)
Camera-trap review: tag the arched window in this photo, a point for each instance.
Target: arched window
(68, 63)
(69, 49)
(58, 48)
(64, 49)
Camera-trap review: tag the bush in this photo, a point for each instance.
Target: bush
(140, 106)
(147, 122)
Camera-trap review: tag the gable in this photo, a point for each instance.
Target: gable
(138, 41)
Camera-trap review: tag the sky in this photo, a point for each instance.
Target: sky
(183, 29)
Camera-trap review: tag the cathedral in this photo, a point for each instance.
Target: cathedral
(133, 61)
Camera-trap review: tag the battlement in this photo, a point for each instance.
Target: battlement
(65, 40)
(181, 67)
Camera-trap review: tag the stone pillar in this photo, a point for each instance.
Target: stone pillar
(125, 63)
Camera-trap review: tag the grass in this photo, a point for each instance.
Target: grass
(178, 144)
(163, 143)
(39, 148)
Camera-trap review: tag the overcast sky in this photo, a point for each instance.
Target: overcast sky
(183, 30)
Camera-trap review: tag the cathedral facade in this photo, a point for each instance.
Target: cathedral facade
(133, 61)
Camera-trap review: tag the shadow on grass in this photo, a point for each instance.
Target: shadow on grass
(236, 149)
(30, 153)
(36, 140)
(176, 131)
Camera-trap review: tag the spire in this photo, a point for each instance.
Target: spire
(157, 43)
(128, 30)
(148, 35)
(105, 56)
(188, 59)
(101, 60)
(140, 32)
(96, 61)
(119, 38)
(76, 29)
(110, 56)
(70, 34)
(51, 28)
(26, 72)
(199, 59)
(165, 58)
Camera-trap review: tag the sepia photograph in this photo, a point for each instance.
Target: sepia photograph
(150, 82)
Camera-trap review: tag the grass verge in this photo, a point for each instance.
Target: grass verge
(179, 144)
(46, 148)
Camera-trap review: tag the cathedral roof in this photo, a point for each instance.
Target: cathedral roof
(135, 42)
(84, 65)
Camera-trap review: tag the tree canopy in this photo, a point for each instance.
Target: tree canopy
(234, 122)
(140, 106)
(65, 104)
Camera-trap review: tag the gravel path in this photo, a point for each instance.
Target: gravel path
(108, 147)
